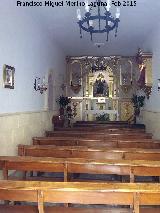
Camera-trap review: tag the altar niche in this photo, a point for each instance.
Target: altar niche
(103, 85)
(100, 86)
(102, 82)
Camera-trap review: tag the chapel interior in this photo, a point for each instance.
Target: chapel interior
(80, 106)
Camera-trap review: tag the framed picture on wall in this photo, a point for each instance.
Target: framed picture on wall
(8, 76)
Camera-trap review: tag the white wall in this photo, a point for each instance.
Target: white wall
(152, 44)
(151, 114)
(26, 45)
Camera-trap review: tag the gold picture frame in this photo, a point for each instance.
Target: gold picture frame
(8, 76)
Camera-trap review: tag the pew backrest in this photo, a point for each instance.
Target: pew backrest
(97, 135)
(89, 153)
(100, 129)
(145, 143)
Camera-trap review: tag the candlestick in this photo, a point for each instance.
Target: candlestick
(83, 91)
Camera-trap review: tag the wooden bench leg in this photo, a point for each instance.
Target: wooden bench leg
(40, 202)
(136, 203)
(131, 177)
(5, 177)
(5, 174)
(65, 173)
(66, 179)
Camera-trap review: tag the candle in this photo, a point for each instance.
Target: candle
(43, 80)
(108, 5)
(131, 70)
(87, 6)
(118, 13)
(79, 14)
(120, 77)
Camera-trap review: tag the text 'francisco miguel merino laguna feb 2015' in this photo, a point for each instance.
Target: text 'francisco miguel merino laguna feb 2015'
(72, 3)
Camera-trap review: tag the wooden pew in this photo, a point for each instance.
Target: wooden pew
(97, 135)
(109, 125)
(100, 129)
(89, 166)
(145, 143)
(106, 125)
(71, 138)
(132, 194)
(104, 133)
(88, 153)
(103, 122)
(64, 141)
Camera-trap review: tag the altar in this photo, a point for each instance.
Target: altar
(110, 109)
(101, 88)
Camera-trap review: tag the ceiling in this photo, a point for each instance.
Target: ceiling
(136, 25)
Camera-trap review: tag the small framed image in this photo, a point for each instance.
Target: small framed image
(8, 76)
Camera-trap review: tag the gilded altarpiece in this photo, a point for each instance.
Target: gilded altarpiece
(102, 87)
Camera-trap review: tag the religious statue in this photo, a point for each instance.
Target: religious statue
(141, 80)
(100, 86)
(142, 68)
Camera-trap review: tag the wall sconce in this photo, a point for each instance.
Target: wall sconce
(40, 86)
(158, 84)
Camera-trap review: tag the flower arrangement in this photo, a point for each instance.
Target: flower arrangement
(138, 102)
(63, 101)
(103, 117)
(65, 110)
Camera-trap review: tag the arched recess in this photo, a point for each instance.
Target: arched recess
(76, 76)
